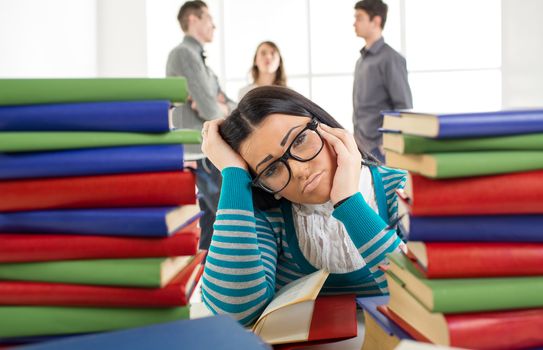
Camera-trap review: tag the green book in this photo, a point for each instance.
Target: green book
(25, 321)
(48, 141)
(147, 272)
(402, 143)
(457, 295)
(463, 164)
(33, 91)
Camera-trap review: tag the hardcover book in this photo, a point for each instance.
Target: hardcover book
(475, 195)
(144, 222)
(27, 141)
(92, 161)
(38, 91)
(459, 125)
(105, 191)
(129, 116)
(476, 259)
(464, 164)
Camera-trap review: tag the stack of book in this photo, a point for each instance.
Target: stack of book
(98, 221)
(473, 274)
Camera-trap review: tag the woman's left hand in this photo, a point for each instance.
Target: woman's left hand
(347, 177)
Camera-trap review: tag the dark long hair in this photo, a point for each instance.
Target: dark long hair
(280, 75)
(255, 106)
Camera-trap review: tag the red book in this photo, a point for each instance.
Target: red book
(104, 191)
(466, 260)
(176, 293)
(517, 193)
(48, 247)
(334, 319)
(503, 330)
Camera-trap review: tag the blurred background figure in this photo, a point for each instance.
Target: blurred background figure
(267, 69)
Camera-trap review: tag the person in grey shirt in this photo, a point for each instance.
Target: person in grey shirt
(206, 101)
(380, 77)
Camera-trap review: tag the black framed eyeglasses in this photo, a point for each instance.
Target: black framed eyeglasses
(305, 147)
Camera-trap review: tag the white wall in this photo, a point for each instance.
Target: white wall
(522, 65)
(121, 38)
(47, 38)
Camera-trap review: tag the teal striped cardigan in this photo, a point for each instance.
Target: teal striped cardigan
(253, 253)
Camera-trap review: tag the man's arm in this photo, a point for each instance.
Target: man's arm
(185, 63)
(397, 84)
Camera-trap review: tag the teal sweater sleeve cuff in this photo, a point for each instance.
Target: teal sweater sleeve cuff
(236, 189)
(361, 222)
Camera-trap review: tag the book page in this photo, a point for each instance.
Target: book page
(303, 289)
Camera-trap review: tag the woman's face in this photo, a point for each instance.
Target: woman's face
(267, 59)
(311, 181)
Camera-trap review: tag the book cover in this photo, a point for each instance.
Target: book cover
(207, 333)
(464, 164)
(141, 272)
(34, 141)
(404, 143)
(27, 321)
(49, 247)
(500, 330)
(144, 222)
(458, 125)
(297, 315)
(476, 195)
(475, 228)
(92, 161)
(476, 259)
(459, 295)
(129, 116)
(104, 191)
(37, 91)
(176, 293)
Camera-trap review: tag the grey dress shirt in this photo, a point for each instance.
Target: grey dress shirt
(380, 83)
(188, 60)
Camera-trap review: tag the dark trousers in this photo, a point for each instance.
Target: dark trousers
(208, 181)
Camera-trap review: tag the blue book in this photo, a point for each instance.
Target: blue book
(144, 222)
(480, 228)
(136, 116)
(210, 333)
(464, 125)
(370, 304)
(92, 161)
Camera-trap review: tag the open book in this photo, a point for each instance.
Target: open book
(297, 315)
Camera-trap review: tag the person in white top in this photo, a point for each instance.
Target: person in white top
(267, 69)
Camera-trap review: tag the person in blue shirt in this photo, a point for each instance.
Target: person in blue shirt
(297, 196)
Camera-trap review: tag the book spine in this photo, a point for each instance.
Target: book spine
(29, 248)
(491, 124)
(125, 190)
(144, 272)
(478, 195)
(519, 329)
(37, 91)
(497, 228)
(94, 161)
(43, 320)
(130, 116)
(150, 221)
(486, 294)
(468, 260)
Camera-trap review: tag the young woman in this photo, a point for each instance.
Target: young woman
(267, 68)
(297, 195)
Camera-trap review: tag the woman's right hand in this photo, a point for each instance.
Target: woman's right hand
(217, 150)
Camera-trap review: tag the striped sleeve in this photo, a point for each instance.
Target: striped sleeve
(239, 274)
(369, 233)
